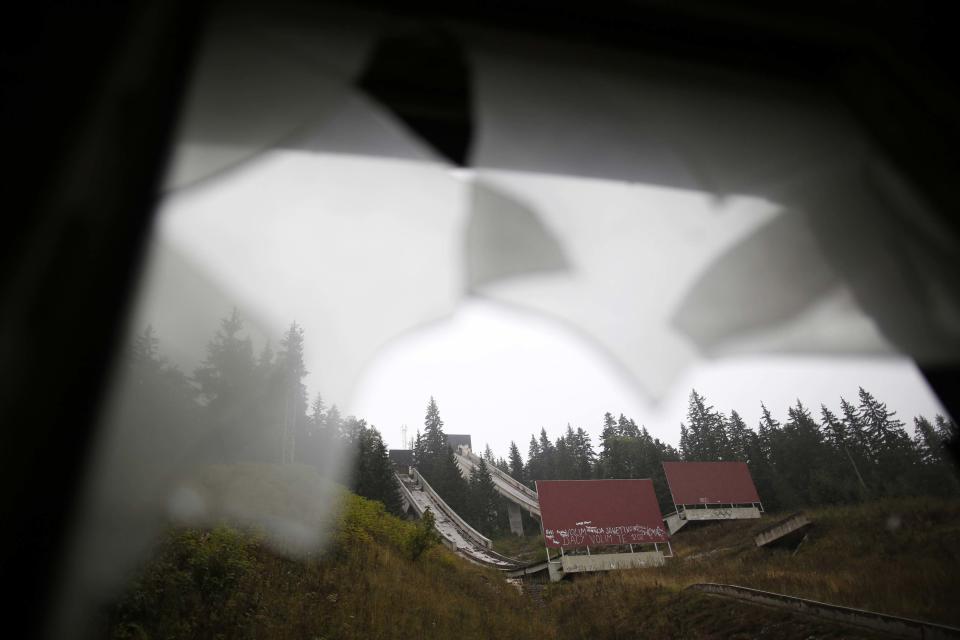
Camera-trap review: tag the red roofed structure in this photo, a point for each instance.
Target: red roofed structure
(710, 483)
(710, 491)
(584, 513)
(611, 516)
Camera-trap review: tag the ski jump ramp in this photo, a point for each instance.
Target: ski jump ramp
(520, 496)
(456, 534)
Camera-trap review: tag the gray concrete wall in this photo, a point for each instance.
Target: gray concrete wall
(674, 522)
(895, 625)
(516, 519)
(720, 513)
(611, 561)
(781, 529)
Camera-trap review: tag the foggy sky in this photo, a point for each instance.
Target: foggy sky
(500, 375)
(367, 256)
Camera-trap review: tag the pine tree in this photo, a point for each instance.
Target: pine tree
(483, 499)
(936, 474)
(227, 371)
(586, 458)
(315, 445)
(434, 439)
(335, 423)
(533, 462)
(608, 438)
(612, 458)
(450, 483)
(706, 435)
(846, 471)
(436, 462)
(856, 436)
(228, 387)
(767, 431)
(834, 431)
(145, 349)
(373, 475)
(946, 429)
(627, 428)
(772, 450)
(738, 436)
(418, 449)
(950, 436)
(762, 472)
(686, 446)
(516, 463)
(488, 454)
(318, 414)
(351, 429)
(564, 464)
(929, 444)
(547, 456)
(264, 367)
(893, 452)
(153, 406)
(884, 431)
(293, 391)
(803, 459)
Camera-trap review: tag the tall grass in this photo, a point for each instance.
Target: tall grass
(225, 583)
(615, 605)
(383, 577)
(524, 548)
(896, 556)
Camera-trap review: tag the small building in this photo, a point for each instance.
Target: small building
(456, 441)
(402, 460)
(710, 491)
(601, 525)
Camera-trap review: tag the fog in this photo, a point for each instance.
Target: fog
(614, 243)
(501, 374)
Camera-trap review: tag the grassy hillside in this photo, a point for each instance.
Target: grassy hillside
(616, 606)
(527, 549)
(375, 581)
(894, 556)
(383, 577)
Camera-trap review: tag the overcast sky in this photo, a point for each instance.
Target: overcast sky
(500, 374)
(359, 251)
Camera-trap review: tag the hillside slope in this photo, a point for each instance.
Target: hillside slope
(383, 577)
(898, 557)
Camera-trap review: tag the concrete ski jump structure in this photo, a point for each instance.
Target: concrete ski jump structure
(710, 491)
(596, 525)
(784, 530)
(519, 496)
(417, 494)
(603, 515)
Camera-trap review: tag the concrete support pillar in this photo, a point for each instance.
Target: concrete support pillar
(516, 519)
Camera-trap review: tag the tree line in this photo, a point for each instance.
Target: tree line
(254, 408)
(475, 499)
(238, 407)
(863, 452)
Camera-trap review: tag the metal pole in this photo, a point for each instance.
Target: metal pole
(859, 477)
